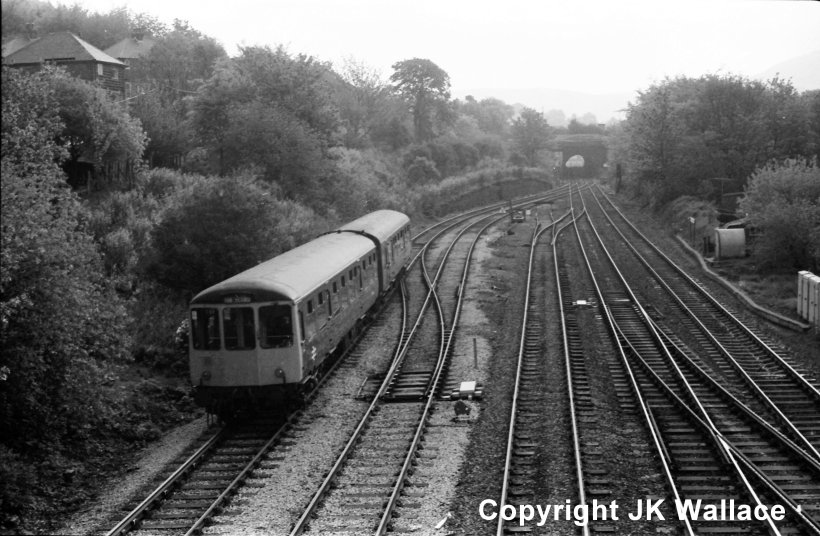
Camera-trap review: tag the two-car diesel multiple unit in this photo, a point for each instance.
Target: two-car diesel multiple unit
(264, 334)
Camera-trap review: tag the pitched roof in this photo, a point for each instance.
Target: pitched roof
(130, 48)
(16, 44)
(59, 46)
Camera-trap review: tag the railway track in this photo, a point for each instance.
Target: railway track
(716, 447)
(203, 485)
(603, 420)
(746, 362)
(362, 491)
(523, 481)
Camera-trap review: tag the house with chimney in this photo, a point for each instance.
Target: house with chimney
(78, 57)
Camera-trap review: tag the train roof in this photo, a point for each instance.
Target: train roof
(293, 274)
(381, 224)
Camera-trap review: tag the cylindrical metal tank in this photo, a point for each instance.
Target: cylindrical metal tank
(730, 243)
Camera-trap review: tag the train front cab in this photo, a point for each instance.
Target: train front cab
(243, 353)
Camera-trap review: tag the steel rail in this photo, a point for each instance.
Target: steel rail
(519, 363)
(239, 479)
(806, 385)
(301, 523)
(430, 393)
(750, 414)
(533, 199)
(736, 455)
(711, 428)
(225, 495)
(576, 437)
(651, 424)
(136, 516)
(401, 352)
(757, 390)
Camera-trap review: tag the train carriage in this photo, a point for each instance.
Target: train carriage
(263, 335)
(391, 232)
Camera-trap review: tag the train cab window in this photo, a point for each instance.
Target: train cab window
(310, 306)
(335, 288)
(205, 328)
(238, 326)
(321, 298)
(275, 326)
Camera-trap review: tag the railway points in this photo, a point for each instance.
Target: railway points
(659, 394)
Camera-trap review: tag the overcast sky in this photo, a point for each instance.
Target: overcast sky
(592, 46)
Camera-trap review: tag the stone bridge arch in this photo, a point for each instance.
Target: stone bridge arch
(591, 147)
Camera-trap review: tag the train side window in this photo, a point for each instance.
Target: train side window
(275, 326)
(329, 304)
(321, 297)
(205, 328)
(344, 284)
(302, 325)
(335, 288)
(310, 306)
(238, 326)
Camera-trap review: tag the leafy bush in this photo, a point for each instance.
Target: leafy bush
(783, 202)
(365, 181)
(221, 227)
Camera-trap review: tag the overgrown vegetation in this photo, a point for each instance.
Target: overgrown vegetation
(718, 134)
(240, 158)
(783, 201)
(232, 160)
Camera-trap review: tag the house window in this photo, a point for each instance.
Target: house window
(99, 69)
(116, 74)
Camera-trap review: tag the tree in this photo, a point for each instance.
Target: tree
(178, 63)
(783, 201)
(60, 321)
(531, 133)
(426, 88)
(683, 132)
(811, 103)
(101, 29)
(96, 128)
(272, 111)
(492, 115)
(221, 227)
(363, 101)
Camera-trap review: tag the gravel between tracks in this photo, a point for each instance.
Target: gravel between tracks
(273, 500)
